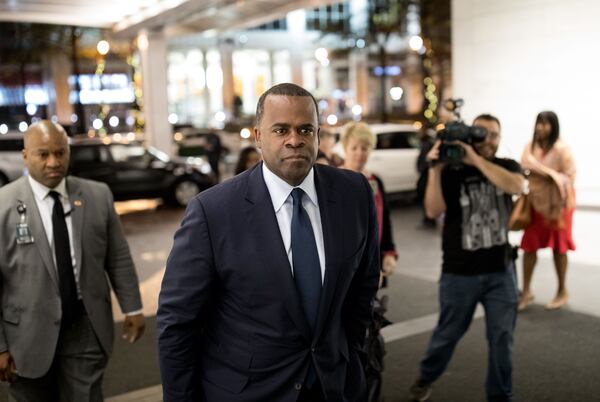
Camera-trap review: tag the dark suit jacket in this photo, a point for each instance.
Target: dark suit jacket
(30, 302)
(231, 326)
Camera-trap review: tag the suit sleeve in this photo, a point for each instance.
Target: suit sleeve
(3, 241)
(387, 237)
(358, 306)
(119, 264)
(185, 290)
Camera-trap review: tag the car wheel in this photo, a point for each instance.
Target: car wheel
(184, 191)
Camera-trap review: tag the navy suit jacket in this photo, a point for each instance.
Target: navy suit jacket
(231, 325)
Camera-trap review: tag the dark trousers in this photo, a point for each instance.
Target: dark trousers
(76, 372)
(459, 296)
(312, 394)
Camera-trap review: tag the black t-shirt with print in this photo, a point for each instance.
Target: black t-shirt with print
(475, 237)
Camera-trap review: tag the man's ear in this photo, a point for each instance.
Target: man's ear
(257, 136)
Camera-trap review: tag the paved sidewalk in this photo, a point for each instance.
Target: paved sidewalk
(543, 338)
(556, 353)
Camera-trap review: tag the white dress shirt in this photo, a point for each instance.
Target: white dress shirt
(281, 196)
(45, 204)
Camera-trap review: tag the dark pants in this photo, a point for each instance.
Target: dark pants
(459, 296)
(312, 394)
(75, 374)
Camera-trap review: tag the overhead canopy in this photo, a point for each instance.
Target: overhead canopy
(127, 18)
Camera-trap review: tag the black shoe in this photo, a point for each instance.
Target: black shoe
(420, 391)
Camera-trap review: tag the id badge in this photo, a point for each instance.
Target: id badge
(24, 234)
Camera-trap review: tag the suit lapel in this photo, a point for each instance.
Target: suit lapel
(331, 221)
(36, 226)
(77, 210)
(261, 218)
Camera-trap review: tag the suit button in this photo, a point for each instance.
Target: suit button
(313, 350)
(298, 386)
(57, 323)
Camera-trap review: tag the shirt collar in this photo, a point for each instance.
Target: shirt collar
(280, 190)
(40, 191)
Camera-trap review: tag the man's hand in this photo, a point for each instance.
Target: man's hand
(8, 370)
(434, 153)
(133, 327)
(389, 264)
(471, 157)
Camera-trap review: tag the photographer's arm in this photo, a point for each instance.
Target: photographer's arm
(434, 198)
(507, 181)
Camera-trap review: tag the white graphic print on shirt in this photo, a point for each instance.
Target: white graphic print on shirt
(484, 215)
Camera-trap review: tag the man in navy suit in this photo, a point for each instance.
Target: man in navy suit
(268, 288)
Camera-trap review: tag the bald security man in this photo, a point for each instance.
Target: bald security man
(62, 243)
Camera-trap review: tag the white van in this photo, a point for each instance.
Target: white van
(11, 160)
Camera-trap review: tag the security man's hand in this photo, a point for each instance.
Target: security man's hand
(8, 370)
(133, 327)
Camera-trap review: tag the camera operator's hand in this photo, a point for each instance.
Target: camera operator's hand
(471, 157)
(433, 156)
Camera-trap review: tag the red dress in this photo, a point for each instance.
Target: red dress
(541, 234)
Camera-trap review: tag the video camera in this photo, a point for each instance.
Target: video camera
(457, 131)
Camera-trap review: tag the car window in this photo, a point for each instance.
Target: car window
(397, 140)
(11, 145)
(130, 154)
(103, 154)
(84, 154)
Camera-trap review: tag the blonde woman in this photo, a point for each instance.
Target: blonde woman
(358, 141)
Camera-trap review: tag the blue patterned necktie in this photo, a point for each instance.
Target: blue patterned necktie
(305, 259)
(307, 268)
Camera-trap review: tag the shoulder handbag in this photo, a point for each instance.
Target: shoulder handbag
(520, 218)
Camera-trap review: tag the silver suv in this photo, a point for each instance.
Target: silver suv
(11, 159)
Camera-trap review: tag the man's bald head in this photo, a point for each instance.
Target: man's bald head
(46, 152)
(44, 128)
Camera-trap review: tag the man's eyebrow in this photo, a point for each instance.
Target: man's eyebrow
(280, 125)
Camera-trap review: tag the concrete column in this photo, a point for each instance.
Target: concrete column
(296, 60)
(359, 78)
(226, 51)
(414, 97)
(325, 81)
(153, 55)
(206, 93)
(57, 69)
(296, 22)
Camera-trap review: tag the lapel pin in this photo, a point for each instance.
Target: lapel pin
(77, 203)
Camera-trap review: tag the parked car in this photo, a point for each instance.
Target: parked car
(394, 158)
(135, 171)
(11, 158)
(190, 141)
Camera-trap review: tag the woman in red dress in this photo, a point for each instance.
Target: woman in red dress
(548, 158)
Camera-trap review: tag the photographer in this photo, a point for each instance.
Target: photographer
(473, 188)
